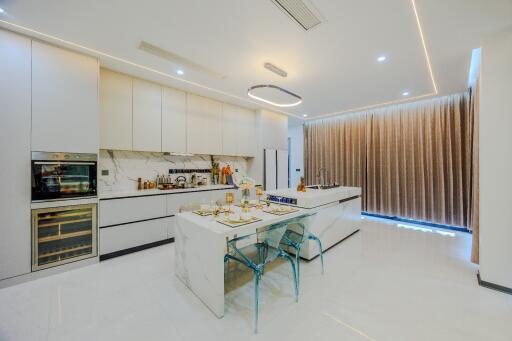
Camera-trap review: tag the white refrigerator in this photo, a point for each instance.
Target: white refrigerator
(275, 169)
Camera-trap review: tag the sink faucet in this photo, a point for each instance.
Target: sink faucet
(318, 175)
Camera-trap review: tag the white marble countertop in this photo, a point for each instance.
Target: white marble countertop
(317, 197)
(145, 192)
(209, 223)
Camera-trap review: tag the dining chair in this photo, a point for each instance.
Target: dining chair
(257, 255)
(296, 234)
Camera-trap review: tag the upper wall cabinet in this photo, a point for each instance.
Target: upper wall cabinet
(204, 125)
(143, 116)
(174, 120)
(65, 105)
(229, 129)
(147, 116)
(116, 110)
(246, 133)
(238, 131)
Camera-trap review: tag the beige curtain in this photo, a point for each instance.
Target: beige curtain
(339, 146)
(412, 160)
(419, 163)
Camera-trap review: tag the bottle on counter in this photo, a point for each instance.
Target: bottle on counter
(139, 184)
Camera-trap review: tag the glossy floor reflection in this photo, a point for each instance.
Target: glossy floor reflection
(387, 282)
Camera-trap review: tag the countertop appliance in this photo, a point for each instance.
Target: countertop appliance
(59, 176)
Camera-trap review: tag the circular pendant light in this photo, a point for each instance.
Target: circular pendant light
(274, 95)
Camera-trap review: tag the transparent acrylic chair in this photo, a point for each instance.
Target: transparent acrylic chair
(296, 234)
(257, 255)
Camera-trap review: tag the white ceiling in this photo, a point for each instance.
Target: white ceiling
(333, 66)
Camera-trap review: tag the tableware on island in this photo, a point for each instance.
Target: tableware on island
(230, 198)
(259, 193)
(215, 211)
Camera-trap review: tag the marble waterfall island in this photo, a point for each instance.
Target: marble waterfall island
(338, 213)
(200, 242)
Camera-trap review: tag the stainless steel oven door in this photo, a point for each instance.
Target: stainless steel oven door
(57, 176)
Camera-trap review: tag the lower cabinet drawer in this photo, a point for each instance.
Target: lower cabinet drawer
(116, 238)
(124, 210)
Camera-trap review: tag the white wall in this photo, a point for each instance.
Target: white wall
(496, 159)
(296, 136)
(271, 132)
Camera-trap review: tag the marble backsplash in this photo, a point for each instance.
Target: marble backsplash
(124, 167)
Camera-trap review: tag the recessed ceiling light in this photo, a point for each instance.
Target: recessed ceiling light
(382, 59)
(405, 93)
(180, 72)
(305, 115)
(1, 10)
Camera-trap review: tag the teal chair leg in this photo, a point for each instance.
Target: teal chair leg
(256, 299)
(320, 249)
(297, 263)
(295, 285)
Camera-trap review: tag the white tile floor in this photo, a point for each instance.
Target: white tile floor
(387, 282)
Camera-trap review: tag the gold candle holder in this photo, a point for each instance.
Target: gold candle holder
(259, 193)
(230, 198)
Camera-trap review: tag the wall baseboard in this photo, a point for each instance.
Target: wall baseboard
(135, 249)
(493, 286)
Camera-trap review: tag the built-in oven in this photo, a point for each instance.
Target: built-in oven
(59, 176)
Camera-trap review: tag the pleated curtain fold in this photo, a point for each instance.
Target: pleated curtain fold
(414, 160)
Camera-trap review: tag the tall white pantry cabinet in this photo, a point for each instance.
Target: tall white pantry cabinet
(15, 154)
(50, 103)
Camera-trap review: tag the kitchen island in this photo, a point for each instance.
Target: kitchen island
(201, 241)
(338, 213)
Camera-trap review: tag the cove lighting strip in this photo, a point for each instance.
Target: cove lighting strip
(51, 38)
(409, 99)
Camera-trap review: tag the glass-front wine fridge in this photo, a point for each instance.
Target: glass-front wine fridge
(63, 234)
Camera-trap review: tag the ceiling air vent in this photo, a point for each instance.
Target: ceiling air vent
(177, 59)
(301, 12)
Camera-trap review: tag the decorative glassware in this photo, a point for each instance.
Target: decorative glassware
(230, 198)
(215, 211)
(259, 193)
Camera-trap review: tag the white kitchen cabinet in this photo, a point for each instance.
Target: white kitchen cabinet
(204, 125)
(174, 120)
(120, 211)
(65, 104)
(15, 151)
(147, 116)
(246, 139)
(115, 110)
(229, 129)
(121, 237)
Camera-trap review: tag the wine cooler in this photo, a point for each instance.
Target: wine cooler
(63, 234)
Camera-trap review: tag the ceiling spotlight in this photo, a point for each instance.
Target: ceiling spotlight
(305, 115)
(405, 93)
(382, 59)
(180, 72)
(274, 95)
(1, 10)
